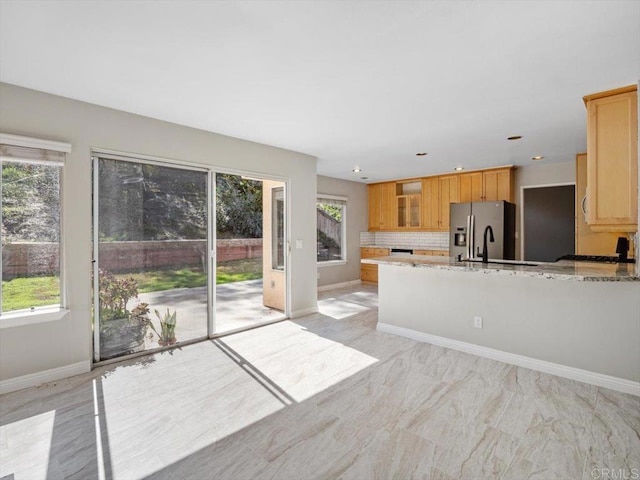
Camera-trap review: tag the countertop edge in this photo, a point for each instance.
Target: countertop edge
(543, 271)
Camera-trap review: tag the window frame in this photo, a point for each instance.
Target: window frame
(53, 312)
(343, 260)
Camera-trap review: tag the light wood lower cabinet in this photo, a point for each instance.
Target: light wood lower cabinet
(368, 271)
(433, 253)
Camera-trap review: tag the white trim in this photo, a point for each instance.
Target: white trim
(303, 312)
(51, 163)
(175, 163)
(332, 197)
(20, 141)
(572, 373)
(522, 189)
(330, 263)
(28, 317)
(350, 283)
(38, 378)
(343, 232)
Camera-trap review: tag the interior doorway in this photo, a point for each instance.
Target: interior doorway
(548, 222)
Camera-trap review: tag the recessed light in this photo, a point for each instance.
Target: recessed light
(514, 137)
(356, 170)
(421, 154)
(364, 178)
(537, 157)
(459, 169)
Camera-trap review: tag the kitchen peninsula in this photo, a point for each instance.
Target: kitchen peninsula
(574, 319)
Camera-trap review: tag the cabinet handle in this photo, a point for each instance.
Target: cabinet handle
(583, 206)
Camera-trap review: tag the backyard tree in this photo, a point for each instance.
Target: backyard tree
(238, 207)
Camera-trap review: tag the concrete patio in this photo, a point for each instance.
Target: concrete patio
(238, 305)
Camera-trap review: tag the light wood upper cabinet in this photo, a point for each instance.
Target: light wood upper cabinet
(382, 206)
(374, 205)
(437, 195)
(431, 203)
(448, 194)
(497, 185)
(471, 187)
(612, 160)
(423, 204)
(487, 186)
(409, 201)
(589, 242)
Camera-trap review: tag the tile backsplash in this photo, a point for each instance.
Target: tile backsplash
(425, 240)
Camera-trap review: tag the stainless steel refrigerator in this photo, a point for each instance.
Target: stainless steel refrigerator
(468, 222)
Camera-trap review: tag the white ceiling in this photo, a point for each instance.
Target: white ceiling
(352, 82)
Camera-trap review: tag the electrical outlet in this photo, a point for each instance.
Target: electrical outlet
(477, 322)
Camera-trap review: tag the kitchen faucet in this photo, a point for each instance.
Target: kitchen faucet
(485, 250)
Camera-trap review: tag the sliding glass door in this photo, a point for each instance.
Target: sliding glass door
(160, 231)
(151, 247)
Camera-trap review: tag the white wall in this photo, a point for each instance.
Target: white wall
(357, 218)
(30, 349)
(592, 326)
(540, 174)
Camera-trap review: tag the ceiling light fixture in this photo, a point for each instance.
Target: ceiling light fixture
(421, 154)
(537, 157)
(356, 170)
(514, 137)
(459, 169)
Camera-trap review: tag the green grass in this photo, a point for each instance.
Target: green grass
(28, 292)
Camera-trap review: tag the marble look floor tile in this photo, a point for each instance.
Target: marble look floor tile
(220, 461)
(478, 452)
(452, 408)
(557, 443)
(387, 455)
(317, 397)
(538, 385)
(615, 428)
(600, 461)
(523, 469)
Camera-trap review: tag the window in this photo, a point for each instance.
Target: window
(30, 178)
(331, 214)
(277, 222)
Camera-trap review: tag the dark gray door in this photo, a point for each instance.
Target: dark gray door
(548, 222)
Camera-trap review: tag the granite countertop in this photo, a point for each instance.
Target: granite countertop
(563, 270)
(408, 247)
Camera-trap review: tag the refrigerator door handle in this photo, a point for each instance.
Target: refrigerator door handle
(469, 237)
(472, 235)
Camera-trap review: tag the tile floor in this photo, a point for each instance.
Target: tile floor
(322, 397)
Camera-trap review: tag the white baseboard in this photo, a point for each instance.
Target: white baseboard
(304, 311)
(351, 283)
(38, 378)
(593, 378)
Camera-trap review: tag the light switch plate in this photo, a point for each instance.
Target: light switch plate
(298, 243)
